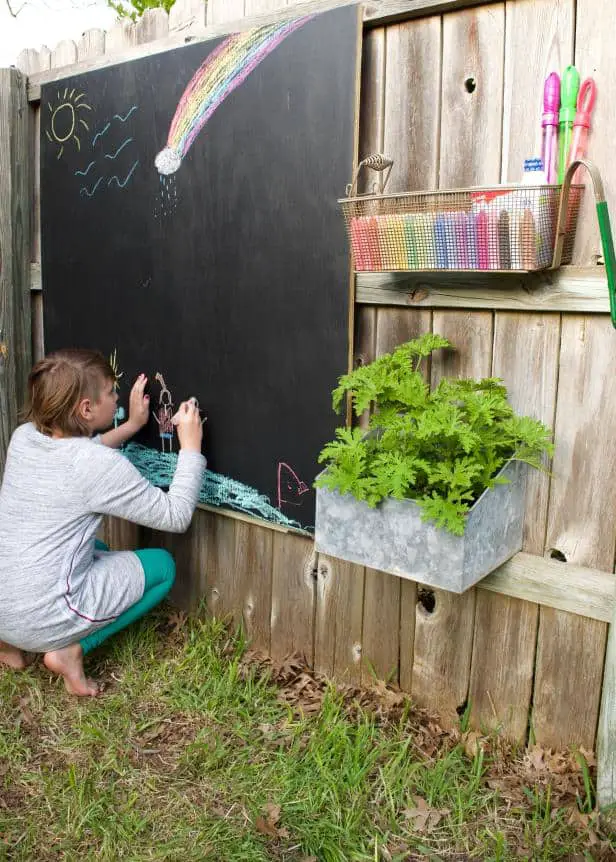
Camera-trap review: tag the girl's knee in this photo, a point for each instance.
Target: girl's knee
(158, 566)
(167, 564)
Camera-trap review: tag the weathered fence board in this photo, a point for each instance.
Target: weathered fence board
(338, 619)
(472, 97)
(580, 526)
(526, 357)
(293, 596)
(594, 56)
(15, 229)
(567, 289)
(252, 570)
(539, 41)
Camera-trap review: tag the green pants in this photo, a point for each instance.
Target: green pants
(159, 569)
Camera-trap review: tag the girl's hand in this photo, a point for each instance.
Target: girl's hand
(138, 404)
(188, 423)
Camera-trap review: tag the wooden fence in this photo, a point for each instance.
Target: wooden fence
(452, 92)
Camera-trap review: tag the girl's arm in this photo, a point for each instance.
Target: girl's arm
(111, 485)
(138, 413)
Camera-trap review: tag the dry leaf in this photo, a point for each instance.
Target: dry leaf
(273, 813)
(472, 742)
(536, 758)
(177, 621)
(424, 818)
(265, 827)
(24, 710)
(266, 824)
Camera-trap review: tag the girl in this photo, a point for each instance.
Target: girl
(60, 593)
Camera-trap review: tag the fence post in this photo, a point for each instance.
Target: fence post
(15, 214)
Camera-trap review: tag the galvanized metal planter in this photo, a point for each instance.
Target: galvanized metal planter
(393, 538)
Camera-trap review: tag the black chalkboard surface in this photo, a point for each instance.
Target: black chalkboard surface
(208, 246)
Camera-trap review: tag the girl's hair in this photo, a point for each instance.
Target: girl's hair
(57, 385)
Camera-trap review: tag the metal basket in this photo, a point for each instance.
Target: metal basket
(493, 229)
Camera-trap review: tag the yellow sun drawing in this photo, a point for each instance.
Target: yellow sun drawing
(64, 121)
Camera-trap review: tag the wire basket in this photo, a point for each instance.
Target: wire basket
(496, 229)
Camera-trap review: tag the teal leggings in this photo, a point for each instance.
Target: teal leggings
(159, 569)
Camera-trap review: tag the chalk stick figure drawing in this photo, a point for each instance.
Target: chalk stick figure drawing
(64, 122)
(113, 361)
(164, 414)
(290, 486)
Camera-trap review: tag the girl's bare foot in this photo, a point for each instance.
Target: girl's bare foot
(68, 663)
(13, 657)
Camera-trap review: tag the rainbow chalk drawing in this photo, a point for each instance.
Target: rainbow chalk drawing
(228, 65)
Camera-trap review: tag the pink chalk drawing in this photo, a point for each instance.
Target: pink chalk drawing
(289, 485)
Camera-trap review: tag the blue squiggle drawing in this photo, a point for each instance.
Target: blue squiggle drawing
(117, 152)
(121, 184)
(94, 187)
(100, 134)
(84, 173)
(124, 119)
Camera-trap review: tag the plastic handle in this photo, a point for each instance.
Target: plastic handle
(585, 102)
(569, 87)
(551, 99)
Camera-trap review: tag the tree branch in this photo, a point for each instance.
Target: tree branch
(10, 8)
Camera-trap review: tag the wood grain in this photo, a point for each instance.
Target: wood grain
(582, 512)
(15, 196)
(91, 45)
(412, 111)
(338, 620)
(606, 732)
(539, 41)
(293, 596)
(186, 15)
(470, 147)
(564, 586)
(221, 11)
(254, 548)
(594, 57)
(526, 357)
(565, 289)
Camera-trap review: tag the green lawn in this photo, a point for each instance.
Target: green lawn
(196, 752)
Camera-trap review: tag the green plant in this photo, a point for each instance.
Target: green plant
(441, 448)
(134, 9)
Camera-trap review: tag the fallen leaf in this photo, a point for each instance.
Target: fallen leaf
(273, 813)
(177, 621)
(536, 758)
(265, 827)
(25, 711)
(424, 818)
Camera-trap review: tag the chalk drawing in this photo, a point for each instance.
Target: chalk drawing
(290, 486)
(223, 70)
(122, 183)
(65, 122)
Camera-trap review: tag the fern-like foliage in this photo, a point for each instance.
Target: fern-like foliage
(441, 448)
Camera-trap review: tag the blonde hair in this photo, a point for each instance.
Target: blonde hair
(58, 384)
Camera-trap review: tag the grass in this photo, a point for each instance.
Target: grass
(194, 753)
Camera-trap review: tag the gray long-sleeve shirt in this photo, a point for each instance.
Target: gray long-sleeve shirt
(54, 587)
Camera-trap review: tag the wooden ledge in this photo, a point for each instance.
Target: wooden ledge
(570, 288)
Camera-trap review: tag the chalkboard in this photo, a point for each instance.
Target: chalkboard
(190, 228)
